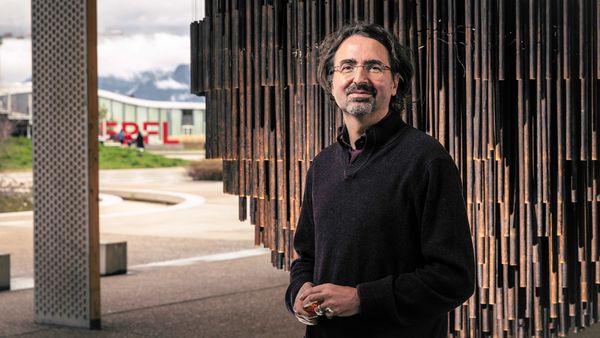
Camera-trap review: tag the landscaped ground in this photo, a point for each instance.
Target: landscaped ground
(15, 154)
(14, 196)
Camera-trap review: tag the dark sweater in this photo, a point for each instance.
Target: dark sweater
(393, 224)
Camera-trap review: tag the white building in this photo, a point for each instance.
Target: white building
(118, 112)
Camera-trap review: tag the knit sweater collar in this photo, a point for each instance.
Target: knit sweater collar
(377, 135)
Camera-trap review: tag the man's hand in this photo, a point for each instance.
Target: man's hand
(335, 300)
(299, 310)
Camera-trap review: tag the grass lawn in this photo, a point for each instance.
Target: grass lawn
(15, 154)
(129, 158)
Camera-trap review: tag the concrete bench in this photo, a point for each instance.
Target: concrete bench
(113, 258)
(4, 271)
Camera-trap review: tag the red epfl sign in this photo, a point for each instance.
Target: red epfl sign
(131, 129)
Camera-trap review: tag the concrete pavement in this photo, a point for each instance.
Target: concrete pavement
(193, 268)
(184, 278)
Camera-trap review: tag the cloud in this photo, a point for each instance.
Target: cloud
(120, 56)
(170, 84)
(15, 60)
(155, 36)
(174, 15)
(125, 56)
(127, 16)
(15, 13)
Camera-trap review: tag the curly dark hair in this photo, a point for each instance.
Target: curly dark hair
(400, 60)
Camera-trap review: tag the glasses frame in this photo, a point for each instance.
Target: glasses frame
(364, 66)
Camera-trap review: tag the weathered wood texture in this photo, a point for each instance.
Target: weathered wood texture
(510, 88)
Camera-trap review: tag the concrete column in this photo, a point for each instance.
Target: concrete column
(65, 157)
(4, 272)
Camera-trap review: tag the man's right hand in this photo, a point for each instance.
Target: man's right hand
(303, 316)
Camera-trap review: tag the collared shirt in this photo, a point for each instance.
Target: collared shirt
(387, 122)
(359, 145)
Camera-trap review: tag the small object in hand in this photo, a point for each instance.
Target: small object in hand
(306, 320)
(319, 311)
(328, 313)
(312, 308)
(313, 318)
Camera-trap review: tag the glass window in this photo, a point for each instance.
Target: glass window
(116, 111)
(187, 119)
(199, 122)
(4, 102)
(175, 122)
(142, 115)
(129, 113)
(153, 114)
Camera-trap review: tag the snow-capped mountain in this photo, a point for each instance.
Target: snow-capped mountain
(154, 85)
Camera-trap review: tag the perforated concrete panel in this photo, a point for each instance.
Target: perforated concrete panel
(65, 163)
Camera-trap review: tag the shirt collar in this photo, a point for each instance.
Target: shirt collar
(344, 139)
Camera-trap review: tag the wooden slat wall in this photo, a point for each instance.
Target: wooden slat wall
(510, 88)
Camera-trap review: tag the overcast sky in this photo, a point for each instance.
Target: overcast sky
(126, 15)
(133, 36)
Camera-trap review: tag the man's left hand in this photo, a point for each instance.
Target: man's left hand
(341, 301)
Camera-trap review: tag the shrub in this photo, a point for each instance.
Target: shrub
(206, 170)
(14, 196)
(191, 142)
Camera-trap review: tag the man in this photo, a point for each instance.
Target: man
(383, 239)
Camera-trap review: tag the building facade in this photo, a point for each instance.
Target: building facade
(162, 121)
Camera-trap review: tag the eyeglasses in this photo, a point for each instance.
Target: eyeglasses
(374, 70)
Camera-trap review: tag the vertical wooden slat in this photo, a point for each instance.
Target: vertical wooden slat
(511, 90)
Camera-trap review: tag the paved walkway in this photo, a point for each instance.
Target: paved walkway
(193, 270)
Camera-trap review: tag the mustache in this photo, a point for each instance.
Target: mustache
(365, 87)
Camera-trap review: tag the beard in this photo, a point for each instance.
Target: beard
(360, 106)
